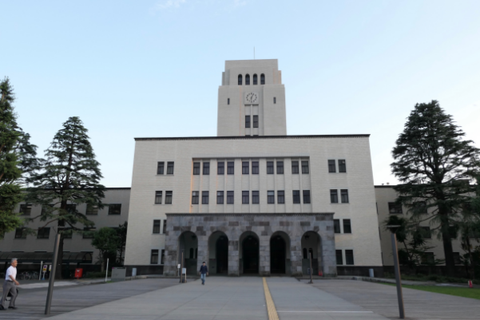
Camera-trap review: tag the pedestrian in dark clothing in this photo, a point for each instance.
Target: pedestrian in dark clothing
(203, 272)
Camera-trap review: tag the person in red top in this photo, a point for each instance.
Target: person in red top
(10, 285)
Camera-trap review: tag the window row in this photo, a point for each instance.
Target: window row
(159, 197)
(91, 210)
(348, 257)
(347, 226)
(255, 121)
(343, 195)
(255, 197)
(154, 256)
(157, 226)
(332, 166)
(247, 79)
(161, 167)
(204, 167)
(44, 233)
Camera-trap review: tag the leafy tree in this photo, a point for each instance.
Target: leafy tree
(434, 165)
(122, 235)
(70, 176)
(107, 240)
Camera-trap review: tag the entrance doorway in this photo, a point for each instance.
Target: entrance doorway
(188, 245)
(218, 253)
(311, 250)
(278, 254)
(250, 250)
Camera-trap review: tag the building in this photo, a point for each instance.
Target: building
(253, 199)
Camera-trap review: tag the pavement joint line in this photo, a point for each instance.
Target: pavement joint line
(322, 311)
(272, 312)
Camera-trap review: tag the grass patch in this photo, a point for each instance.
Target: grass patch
(473, 293)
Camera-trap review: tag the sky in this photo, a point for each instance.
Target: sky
(152, 68)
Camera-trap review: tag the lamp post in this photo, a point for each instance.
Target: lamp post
(401, 308)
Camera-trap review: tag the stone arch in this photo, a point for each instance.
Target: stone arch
(188, 245)
(218, 253)
(280, 253)
(312, 245)
(249, 253)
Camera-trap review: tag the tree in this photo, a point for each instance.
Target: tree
(122, 235)
(435, 165)
(107, 240)
(70, 176)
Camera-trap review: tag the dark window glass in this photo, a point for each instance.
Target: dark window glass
(192, 253)
(230, 197)
(280, 196)
(230, 167)
(115, 209)
(336, 225)
(156, 226)
(247, 121)
(296, 196)
(270, 197)
(255, 79)
(194, 197)
(25, 209)
(92, 210)
(245, 197)
(220, 168)
(305, 167)
(204, 197)
(338, 254)
(239, 79)
(164, 226)
(154, 257)
(426, 232)
(394, 208)
(206, 168)
(305, 256)
(269, 167)
(347, 226)
(160, 167)
(342, 166)
(220, 197)
(247, 79)
(262, 79)
(43, 233)
(20, 233)
(279, 167)
(168, 197)
(349, 257)
(333, 196)
(255, 121)
(245, 165)
(255, 168)
(306, 196)
(331, 166)
(169, 167)
(196, 168)
(255, 197)
(295, 169)
(158, 197)
(274, 100)
(228, 101)
(162, 257)
(344, 195)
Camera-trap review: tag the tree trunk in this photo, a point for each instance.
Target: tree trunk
(58, 271)
(448, 251)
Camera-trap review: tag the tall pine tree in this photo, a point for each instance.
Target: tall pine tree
(70, 176)
(435, 167)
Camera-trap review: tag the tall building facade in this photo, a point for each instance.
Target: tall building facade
(253, 200)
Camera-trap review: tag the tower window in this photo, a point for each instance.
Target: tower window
(255, 79)
(274, 100)
(239, 79)
(247, 79)
(255, 121)
(247, 121)
(230, 167)
(228, 100)
(269, 167)
(262, 79)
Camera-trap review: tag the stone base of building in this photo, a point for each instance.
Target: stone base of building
(144, 270)
(361, 271)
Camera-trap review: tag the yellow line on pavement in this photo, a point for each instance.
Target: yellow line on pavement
(272, 312)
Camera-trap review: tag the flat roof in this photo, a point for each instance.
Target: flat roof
(322, 136)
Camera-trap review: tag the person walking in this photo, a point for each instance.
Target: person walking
(10, 285)
(203, 272)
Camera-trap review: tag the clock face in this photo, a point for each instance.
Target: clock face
(251, 97)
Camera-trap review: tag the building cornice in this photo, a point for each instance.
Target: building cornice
(323, 136)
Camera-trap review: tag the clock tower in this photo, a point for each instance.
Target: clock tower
(251, 99)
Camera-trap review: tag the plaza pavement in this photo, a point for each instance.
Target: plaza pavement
(233, 298)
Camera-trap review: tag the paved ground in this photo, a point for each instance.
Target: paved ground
(239, 298)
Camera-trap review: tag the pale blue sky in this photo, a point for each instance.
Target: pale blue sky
(152, 68)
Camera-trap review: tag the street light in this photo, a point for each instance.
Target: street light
(401, 308)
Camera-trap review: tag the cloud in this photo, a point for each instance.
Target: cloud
(239, 3)
(162, 5)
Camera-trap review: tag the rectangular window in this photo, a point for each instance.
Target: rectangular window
(336, 226)
(230, 167)
(274, 100)
(280, 196)
(230, 197)
(114, 209)
(160, 167)
(339, 256)
(220, 197)
(279, 167)
(270, 197)
(296, 196)
(196, 168)
(25, 209)
(162, 257)
(344, 195)
(342, 166)
(349, 257)
(158, 197)
(269, 167)
(156, 226)
(305, 167)
(306, 196)
(168, 197)
(394, 208)
(170, 167)
(204, 197)
(255, 121)
(206, 168)
(255, 167)
(331, 166)
(154, 257)
(295, 169)
(333, 196)
(426, 232)
(347, 226)
(20, 233)
(255, 197)
(245, 165)
(245, 197)
(428, 258)
(92, 210)
(247, 121)
(43, 233)
(228, 100)
(165, 226)
(220, 168)
(194, 197)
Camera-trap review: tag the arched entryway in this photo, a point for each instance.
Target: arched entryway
(280, 253)
(311, 248)
(249, 251)
(218, 253)
(188, 245)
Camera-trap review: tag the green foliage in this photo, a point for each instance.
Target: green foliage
(107, 241)
(473, 293)
(435, 165)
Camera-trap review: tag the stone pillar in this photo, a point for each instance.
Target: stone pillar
(233, 254)
(264, 256)
(296, 254)
(328, 255)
